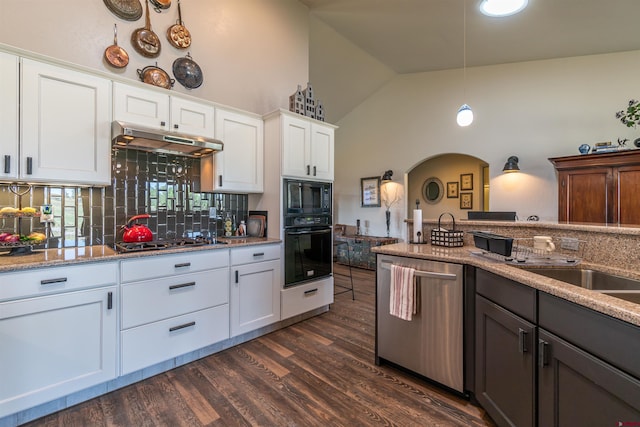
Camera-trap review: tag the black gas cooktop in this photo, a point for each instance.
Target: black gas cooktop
(156, 245)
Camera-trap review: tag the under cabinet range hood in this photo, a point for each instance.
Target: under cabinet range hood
(136, 137)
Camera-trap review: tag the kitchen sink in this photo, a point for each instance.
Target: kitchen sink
(609, 284)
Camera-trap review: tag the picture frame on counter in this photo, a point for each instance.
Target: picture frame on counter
(466, 181)
(466, 200)
(452, 190)
(370, 192)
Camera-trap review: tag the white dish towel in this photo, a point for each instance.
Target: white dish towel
(402, 298)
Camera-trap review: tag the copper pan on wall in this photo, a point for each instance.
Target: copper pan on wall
(129, 10)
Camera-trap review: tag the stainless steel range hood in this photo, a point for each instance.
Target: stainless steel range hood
(126, 135)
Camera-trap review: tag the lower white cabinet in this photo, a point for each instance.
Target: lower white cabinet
(172, 305)
(306, 297)
(58, 343)
(255, 287)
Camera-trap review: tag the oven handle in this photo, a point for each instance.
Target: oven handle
(297, 233)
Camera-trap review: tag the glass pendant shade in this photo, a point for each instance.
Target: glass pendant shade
(465, 115)
(502, 7)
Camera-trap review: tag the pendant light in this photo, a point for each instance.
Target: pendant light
(465, 114)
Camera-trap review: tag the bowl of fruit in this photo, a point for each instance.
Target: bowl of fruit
(16, 240)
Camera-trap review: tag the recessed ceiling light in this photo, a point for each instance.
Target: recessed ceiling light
(502, 7)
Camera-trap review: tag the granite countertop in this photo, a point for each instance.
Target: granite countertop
(614, 307)
(101, 253)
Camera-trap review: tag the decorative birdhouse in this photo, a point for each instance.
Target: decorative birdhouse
(319, 111)
(309, 102)
(296, 102)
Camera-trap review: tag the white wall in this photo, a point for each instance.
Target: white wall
(253, 53)
(534, 110)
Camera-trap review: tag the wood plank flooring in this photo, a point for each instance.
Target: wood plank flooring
(319, 372)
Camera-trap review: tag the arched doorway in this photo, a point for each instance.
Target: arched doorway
(454, 183)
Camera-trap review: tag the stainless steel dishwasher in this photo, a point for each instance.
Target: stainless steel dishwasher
(431, 344)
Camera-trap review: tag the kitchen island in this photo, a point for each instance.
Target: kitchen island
(537, 351)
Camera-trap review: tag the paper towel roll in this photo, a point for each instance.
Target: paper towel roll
(417, 226)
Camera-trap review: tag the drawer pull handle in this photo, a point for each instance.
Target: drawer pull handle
(53, 281)
(182, 285)
(259, 254)
(310, 292)
(522, 340)
(7, 164)
(186, 325)
(109, 300)
(183, 264)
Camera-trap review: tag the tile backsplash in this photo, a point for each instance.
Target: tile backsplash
(164, 186)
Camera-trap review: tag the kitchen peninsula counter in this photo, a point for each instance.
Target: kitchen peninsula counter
(100, 253)
(614, 307)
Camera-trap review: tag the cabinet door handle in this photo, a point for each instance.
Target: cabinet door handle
(163, 123)
(310, 292)
(543, 353)
(29, 165)
(186, 325)
(237, 277)
(175, 126)
(258, 254)
(522, 340)
(219, 180)
(308, 169)
(109, 300)
(182, 285)
(7, 164)
(184, 264)
(314, 171)
(53, 281)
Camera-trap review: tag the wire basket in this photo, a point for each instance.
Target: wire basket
(567, 250)
(449, 238)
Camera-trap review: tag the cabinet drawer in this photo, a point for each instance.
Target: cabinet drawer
(513, 296)
(43, 281)
(169, 265)
(156, 342)
(303, 298)
(152, 300)
(254, 254)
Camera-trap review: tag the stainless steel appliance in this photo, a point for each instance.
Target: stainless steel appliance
(155, 245)
(431, 344)
(307, 231)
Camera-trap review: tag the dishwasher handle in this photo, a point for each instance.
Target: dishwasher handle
(419, 273)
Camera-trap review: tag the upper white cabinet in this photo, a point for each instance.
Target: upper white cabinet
(307, 148)
(156, 110)
(9, 115)
(65, 125)
(239, 167)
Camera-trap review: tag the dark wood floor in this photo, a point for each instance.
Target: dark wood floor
(319, 372)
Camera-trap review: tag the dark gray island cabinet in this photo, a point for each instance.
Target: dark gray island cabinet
(542, 360)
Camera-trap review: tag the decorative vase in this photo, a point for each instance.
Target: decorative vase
(584, 149)
(637, 142)
(388, 215)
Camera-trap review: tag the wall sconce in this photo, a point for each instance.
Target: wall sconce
(511, 165)
(386, 177)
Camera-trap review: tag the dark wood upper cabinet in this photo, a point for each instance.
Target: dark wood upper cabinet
(599, 188)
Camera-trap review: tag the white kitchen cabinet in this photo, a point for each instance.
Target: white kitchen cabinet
(239, 168)
(172, 305)
(65, 125)
(306, 297)
(307, 148)
(255, 288)
(157, 110)
(60, 342)
(9, 96)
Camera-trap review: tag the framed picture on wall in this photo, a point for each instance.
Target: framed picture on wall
(370, 192)
(466, 200)
(452, 190)
(466, 181)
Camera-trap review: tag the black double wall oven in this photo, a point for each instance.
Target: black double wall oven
(307, 231)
